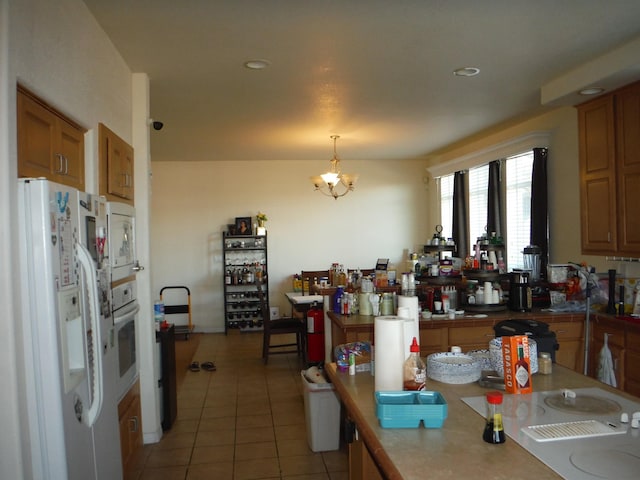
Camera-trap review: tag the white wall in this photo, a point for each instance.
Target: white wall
(56, 49)
(386, 216)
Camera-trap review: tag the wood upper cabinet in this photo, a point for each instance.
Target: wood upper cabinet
(628, 169)
(116, 166)
(49, 145)
(610, 172)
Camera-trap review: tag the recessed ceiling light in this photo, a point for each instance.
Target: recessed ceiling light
(466, 72)
(256, 64)
(591, 91)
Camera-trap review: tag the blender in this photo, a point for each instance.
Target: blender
(531, 255)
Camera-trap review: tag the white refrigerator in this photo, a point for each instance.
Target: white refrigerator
(70, 415)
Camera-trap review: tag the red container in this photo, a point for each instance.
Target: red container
(315, 334)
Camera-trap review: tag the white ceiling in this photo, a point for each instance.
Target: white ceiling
(376, 72)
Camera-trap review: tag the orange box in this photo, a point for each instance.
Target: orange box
(517, 370)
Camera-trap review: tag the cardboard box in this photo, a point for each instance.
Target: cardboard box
(517, 365)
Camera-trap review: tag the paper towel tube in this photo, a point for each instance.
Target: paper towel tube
(412, 327)
(390, 355)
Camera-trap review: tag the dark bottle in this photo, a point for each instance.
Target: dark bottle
(493, 430)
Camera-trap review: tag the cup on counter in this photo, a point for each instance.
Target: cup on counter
(451, 314)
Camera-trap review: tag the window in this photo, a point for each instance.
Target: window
(446, 205)
(517, 194)
(478, 182)
(518, 199)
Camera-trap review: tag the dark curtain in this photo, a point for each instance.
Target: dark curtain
(539, 207)
(460, 215)
(494, 202)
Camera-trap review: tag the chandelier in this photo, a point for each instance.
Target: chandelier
(334, 183)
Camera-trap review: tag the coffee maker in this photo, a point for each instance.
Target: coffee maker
(520, 298)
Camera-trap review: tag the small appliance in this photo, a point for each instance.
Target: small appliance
(520, 299)
(531, 257)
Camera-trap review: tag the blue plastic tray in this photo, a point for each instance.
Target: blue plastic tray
(406, 409)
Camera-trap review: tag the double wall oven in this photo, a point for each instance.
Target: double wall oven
(125, 307)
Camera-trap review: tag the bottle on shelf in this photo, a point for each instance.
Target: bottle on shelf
(414, 371)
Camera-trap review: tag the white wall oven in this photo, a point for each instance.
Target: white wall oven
(125, 310)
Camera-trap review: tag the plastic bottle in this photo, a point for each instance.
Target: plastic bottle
(158, 313)
(415, 371)
(493, 430)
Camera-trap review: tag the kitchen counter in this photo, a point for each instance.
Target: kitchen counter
(366, 322)
(456, 450)
(470, 332)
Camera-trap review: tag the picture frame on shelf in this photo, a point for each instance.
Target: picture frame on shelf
(231, 229)
(243, 226)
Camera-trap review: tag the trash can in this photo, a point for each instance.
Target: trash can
(322, 414)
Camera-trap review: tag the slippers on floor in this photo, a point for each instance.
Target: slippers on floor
(209, 366)
(194, 367)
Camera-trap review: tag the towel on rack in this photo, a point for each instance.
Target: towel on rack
(605, 372)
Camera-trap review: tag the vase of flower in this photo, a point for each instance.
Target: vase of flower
(261, 218)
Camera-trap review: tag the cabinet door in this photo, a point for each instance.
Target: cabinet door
(471, 338)
(433, 340)
(36, 140)
(130, 433)
(48, 145)
(616, 344)
(597, 176)
(116, 166)
(119, 168)
(571, 343)
(632, 361)
(72, 150)
(628, 169)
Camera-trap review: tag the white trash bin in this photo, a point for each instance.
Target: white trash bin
(322, 414)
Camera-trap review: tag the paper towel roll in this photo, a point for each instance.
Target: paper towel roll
(412, 327)
(390, 355)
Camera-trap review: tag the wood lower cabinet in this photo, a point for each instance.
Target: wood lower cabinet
(130, 418)
(471, 338)
(361, 464)
(609, 140)
(433, 340)
(616, 342)
(116, 166)
(49, 145)
(632, 361)
(570, 338)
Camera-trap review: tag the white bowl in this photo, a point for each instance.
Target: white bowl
(455, 368)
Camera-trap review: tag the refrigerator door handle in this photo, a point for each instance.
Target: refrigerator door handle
(86, 263)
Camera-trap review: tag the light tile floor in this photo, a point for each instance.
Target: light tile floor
(244, 421)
